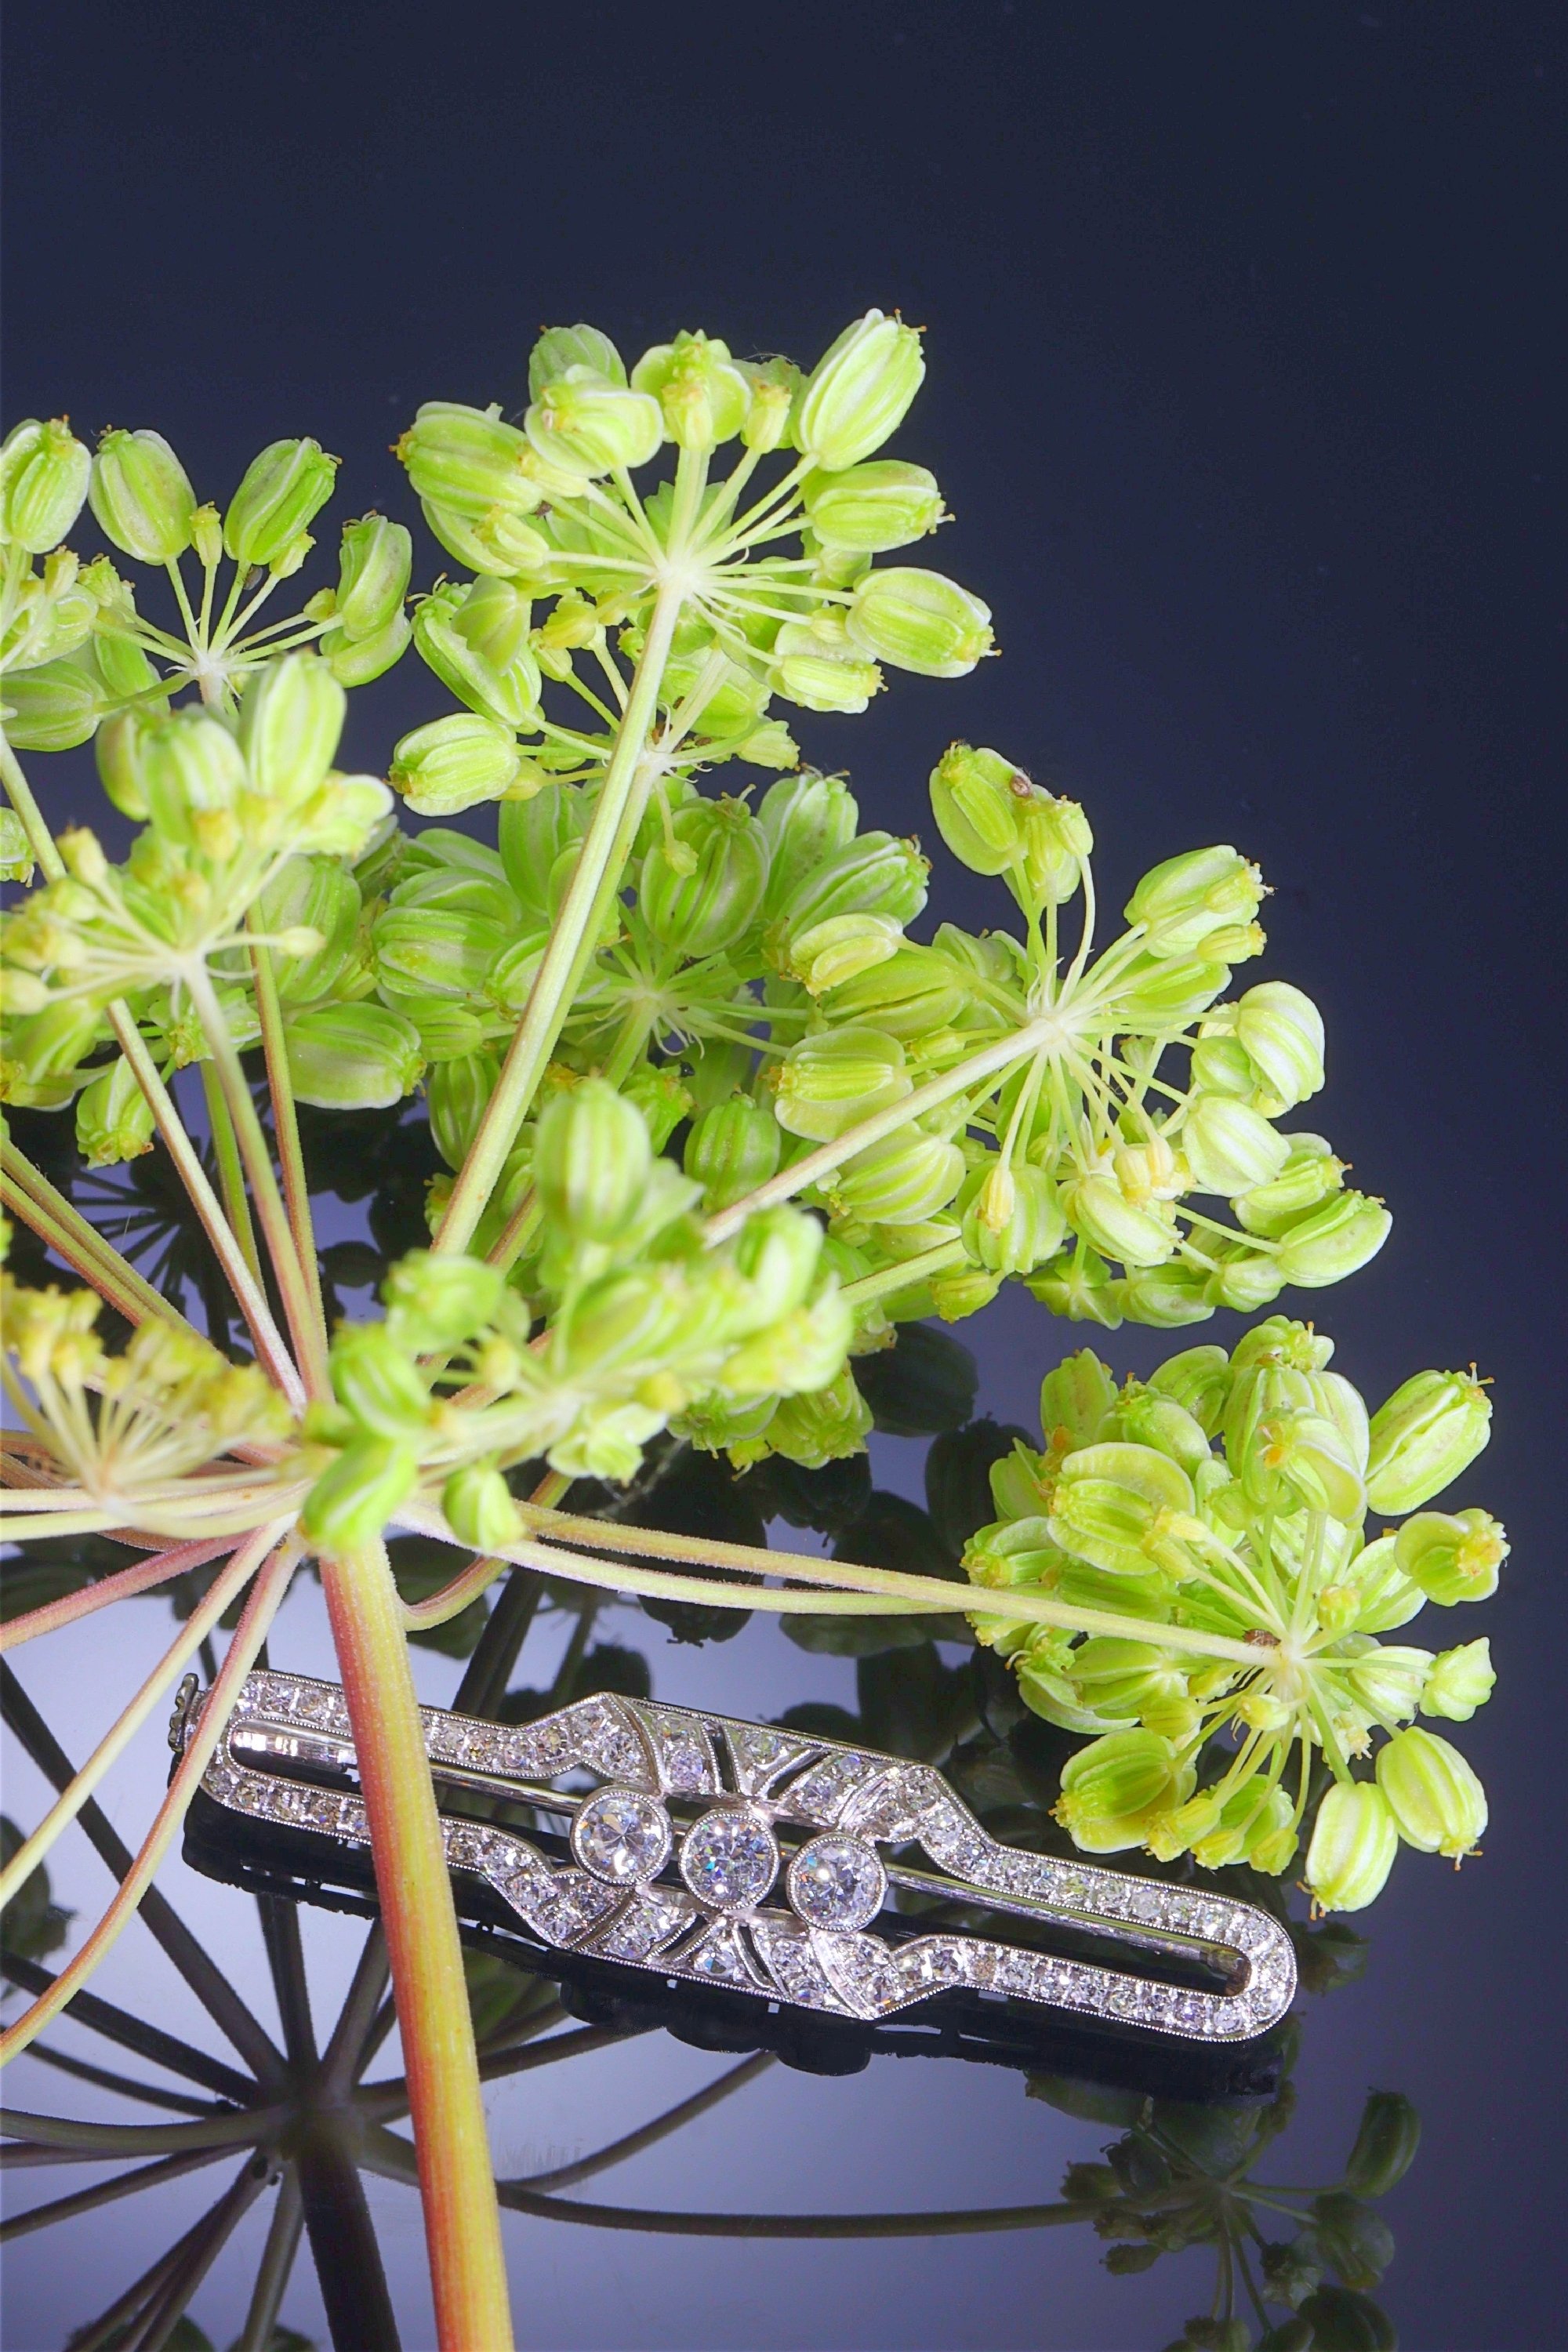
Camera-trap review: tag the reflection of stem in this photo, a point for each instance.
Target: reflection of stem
(143, 1577)
(277, 2263)
(648, 2135)
(29, 1191)
(106, 2192)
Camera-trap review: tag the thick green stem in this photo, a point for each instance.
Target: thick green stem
(462, 2222)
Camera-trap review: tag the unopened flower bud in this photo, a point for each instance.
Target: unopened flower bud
(436, 1301)
(1112, 1787)
(1184, 903)
(1430, 1429)
(206, 536)
(361, 1056)
(113, 1118)
(1356, 2242)
(826, 1084)
(920, 621)
(1452, 1558)
(1099, 1210)
(289, 723)
(875, 875)
(1460, 1681)
(507, 694)
(775, 388)
(859, 391)
(901, 1181)
(1338, 2314)
(1437, 1803)
(583, 424)
(55, 706)
(806, 819)
(190, 764)
(701, 906)
(1355, 1840)
(454, 763)
(771, 745)
(1199, 1379)
(1028, 1232)
(1229, 1147)
(1166, 993)
(1386, 2145)
(1110, 1503)
(141, 496)
(702, 396)
(873, 508)
(457, 1092)
(17, 859)
(1310, 1176)
(1281, 1032)
(732, 1149)
(494, 618)
(372, 574)
(354, 1498)
(560, 348)
(464, 462)
(360, 661)
(376, 1380)
(977, 798)
(1335, 1241)
(591, 1161)
(831, 953)
(820, 669)
(43, 474)
(1075, 1401)
(281, 490)
(478, 1507)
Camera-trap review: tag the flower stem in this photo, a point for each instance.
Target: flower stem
(286, 1126)
(230, 1173)
(462, 2222)
(53, 1218)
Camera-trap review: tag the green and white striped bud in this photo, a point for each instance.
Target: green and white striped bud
(459, 1090)
(113, 1118)
(977, 798)
(1355, 1840)
(1461, 1680)
(1030, 1230)
(1336, 1240)
(192, 767)
(1452, 1558)
(733, 1147)
(281, 491)
(591, 1161)
(44, 475)
(1166, 994)
(1310, 1176)
(376, 1380)
(806, 819)
(290, 724)
(901, 1181)
(1431, 1428)
(560, 349)
(583, 424)
(1099, 1210)
(920, 621)
(1282, 1032)
(141, 496)
(913, 994)
(438, 1301)
(354, 1498)
(802, 1352)
(705, 895)
(1111, 1505)
(860, 392)
(454, 763)
(16, 860)
(874, 874)
(827, 1084)
(774, 388)
(777, 1252)
(874, 508)
(1388, 1678)
(493, 618)
(824, 1424)
(1113, 1787)
(315, 894)
(840, 949)
(1075, 1401)
(1199, 1380)
(702, 396)
(1229, 1147)
(1185, 904)
(1145, 1417)
(55, 706)
(1437, 1803)
(360, 661)
(463, 462)
(478, 1507)
(507, 694)
(360, 1057)
(373, 565)
(815, 664)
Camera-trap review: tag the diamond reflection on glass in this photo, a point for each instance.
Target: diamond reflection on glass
(836, 1882)
(621, 1835)
(729, 1858)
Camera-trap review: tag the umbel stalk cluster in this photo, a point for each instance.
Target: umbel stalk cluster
(720, 1112)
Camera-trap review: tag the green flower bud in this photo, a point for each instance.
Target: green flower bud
(1355, 1840)
(360, 661)
(703, 394)
(43, 474)
(1282, 1032)
(16, 860)
(702, 893)
(822, 1425)
(280, 492)
(774, 388)
(960, 1291)
(860, 392)
(591, 1161)
(777, 1254)
(1156, 994)
(360, 1057)
(463, 462)
(901, 1181)
(1080, 1287)
(977, 798)
(841, 949)
(113, 1118)
(1075, 1401)
(1029, 1232)
(770, 745)
(875, 875)
(1437, 1803)
(1111, 1504)
(353, 1499)
(507, 694)
(583, 424)
(1386, 2145)
(501, 543)
(816, 666)
(493, 619)
(1310, 1177)
(478, 1507)
(141, 496)
(826, 1084)
(560, 348)
(191, 767)
(802, 1352)
(454, 763)
(1388, 1678)
(372, 574)
(914, 993)
(875, 507)
(313, 894)
(457, 1092)
(1198, 1379)
(289, 723)
(920, 622)
(1112, 1787)
(1295, 1460)
(1097, 1208)
(1145, 1416)
(1357, 2242)
(1230, 1147)
(1339, 2317)
(55, 706)
(436, 1302)
(374, 1380)
(1452, 1558)
(1336, 1240)
(1430, 1429)
(1460, 1681)
(732, 1149)
(806, 819)
(1187, 902)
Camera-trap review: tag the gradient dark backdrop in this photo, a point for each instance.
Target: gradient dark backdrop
(1245, 386)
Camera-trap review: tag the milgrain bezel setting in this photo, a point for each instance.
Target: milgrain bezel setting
(729, 1920)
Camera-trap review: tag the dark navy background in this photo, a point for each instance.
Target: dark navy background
(1245, 386)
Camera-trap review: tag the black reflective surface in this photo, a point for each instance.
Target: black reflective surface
(1244, 378)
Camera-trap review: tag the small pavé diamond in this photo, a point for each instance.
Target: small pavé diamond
(648, 1920)
(621, 1835)
(685, 1758)
(821, 1794)
(836, 1882)
(728, 1858)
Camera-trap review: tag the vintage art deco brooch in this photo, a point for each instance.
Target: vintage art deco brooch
(764, 1861)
